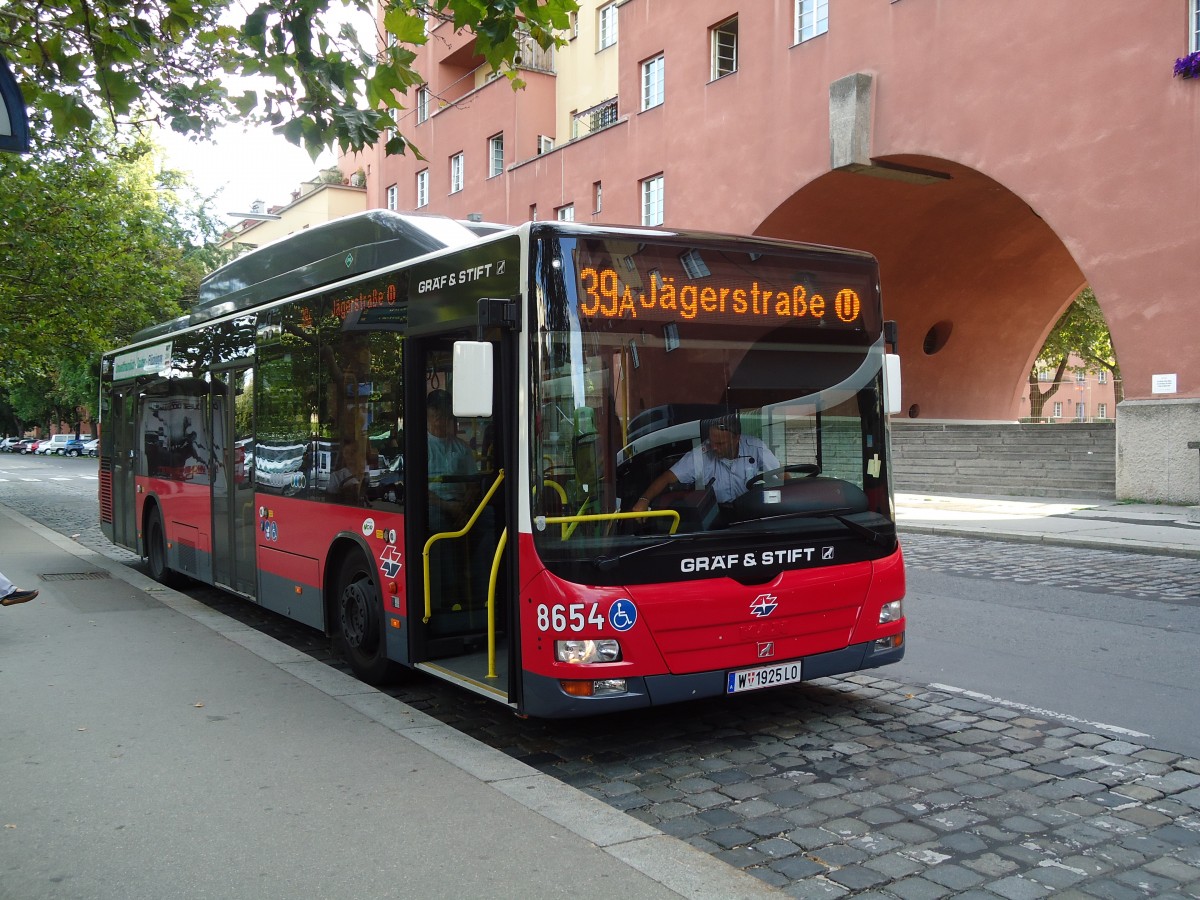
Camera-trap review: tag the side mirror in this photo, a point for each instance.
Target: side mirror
(472, 379)
(891, 384)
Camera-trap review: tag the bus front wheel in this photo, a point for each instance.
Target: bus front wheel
(156, 550)
(357, 622)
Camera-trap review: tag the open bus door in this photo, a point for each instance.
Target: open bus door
(461, 603)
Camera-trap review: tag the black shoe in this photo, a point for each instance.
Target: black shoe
(18, 596)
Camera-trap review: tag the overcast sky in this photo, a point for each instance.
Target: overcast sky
(244, 166)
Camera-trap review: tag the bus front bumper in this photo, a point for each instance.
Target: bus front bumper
(544, 697)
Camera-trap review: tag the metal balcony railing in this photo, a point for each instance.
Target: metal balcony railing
(597, 118)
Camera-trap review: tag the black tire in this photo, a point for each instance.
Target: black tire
(358, 622)
(72, 453)
(156, 551)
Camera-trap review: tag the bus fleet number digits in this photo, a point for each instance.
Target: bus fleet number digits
(560, 617)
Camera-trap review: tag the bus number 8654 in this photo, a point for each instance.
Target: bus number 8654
(560, 617)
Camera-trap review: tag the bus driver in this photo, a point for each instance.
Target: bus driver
(724, 462)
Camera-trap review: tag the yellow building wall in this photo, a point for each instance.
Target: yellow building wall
(586, 76)
(322, 203)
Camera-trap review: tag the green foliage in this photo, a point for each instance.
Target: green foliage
(1082, 332)
(95, 243)
(302, 73)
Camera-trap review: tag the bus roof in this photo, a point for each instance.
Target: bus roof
(329, 252)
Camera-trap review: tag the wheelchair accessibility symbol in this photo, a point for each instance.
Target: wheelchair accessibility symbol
(622, 615)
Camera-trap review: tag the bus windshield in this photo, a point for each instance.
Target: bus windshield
(698, 394)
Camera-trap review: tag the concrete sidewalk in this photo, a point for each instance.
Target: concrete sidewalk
(153, 748)
(1096, 524)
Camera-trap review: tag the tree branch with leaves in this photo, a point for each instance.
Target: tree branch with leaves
(295, 65)
(1081, 332)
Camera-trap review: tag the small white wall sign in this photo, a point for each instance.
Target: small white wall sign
(1163, 384)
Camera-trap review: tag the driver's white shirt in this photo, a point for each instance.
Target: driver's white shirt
(728, 476)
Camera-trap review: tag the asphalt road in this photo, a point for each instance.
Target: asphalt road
(1125, 665)
(1070, 655)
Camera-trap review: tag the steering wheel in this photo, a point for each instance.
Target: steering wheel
(809, 469)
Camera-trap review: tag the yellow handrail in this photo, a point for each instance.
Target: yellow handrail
(569, 530)
(491, 603)
(562, 492)
(446, 535)
(610, 517)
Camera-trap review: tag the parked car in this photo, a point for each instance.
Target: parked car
(9, 444)
(92, 447)
(29, 445)
(73, 447)
(54, 443)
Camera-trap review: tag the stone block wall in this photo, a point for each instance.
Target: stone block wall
(1068, 460)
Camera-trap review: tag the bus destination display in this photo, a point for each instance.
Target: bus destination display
(604, 295)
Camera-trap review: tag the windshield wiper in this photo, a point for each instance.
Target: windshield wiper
(607, 563)
(875, 536)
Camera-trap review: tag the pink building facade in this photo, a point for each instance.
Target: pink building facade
(995, 157)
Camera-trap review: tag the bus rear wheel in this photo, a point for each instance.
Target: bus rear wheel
(357, 622)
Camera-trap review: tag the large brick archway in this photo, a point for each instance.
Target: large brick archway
(974, 278)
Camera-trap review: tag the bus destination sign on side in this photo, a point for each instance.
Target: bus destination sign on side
(604, 296)
(143, 361)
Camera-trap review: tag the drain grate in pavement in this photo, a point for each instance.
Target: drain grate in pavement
(73, 576)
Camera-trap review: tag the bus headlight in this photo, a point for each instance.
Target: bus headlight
(605, 650)
(891, 612)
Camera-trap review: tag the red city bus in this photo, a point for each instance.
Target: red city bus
(575, 469)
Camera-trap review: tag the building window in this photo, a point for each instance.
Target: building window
(1102, 375)
(422, 104)
(725, 48)
(1101, 410)
(566, 213)
(607, 16)
(1058, 409)
(812, 19)
(652, 201)
(495, 155)
(533, 212)
(597, 197)
(456, 173)
(694, 265)
(422, 188)
(1194, 43)
(545, 144)
(1081, 412)
(1081, 377)
(1043, 375)
(393, 197)
(652, 81)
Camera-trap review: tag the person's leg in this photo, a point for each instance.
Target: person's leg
(6, 586)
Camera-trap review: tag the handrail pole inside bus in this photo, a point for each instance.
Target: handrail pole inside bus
(491, 603)
(446, 535)
(610, 517)
(569, 530)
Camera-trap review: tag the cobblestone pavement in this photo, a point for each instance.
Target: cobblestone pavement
(855, 786)
(1163, 578)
